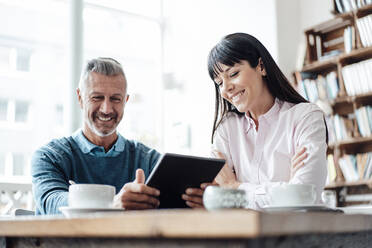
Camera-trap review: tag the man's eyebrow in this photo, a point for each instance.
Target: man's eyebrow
(100, 93)
(117, 94)
(95, 93)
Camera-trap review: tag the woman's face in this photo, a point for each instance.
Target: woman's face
(242, 85)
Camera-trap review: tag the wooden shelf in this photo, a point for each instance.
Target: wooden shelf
(328, 38)
(321, 66)
(365, 10)
(339, 21)
(355, 55)
(359, 11)
(353, 146)
(348, 184)
(344, 58)
(344, 105)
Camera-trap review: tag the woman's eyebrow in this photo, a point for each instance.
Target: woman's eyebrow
(227, 69)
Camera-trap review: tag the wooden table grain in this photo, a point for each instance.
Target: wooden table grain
(189, 228)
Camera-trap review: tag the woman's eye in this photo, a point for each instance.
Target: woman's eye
(219, 84)
(234, 74)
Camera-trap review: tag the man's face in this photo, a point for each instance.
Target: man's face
(102, 100)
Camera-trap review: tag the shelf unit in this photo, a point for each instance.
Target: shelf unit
(327, 52)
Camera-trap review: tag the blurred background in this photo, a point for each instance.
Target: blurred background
(163, 47)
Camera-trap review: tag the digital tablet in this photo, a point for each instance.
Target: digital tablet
(174, 173)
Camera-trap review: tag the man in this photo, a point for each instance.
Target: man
(97, 153)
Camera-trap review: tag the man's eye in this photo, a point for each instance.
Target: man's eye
(234, 74)
(115, 99)
(96, 98)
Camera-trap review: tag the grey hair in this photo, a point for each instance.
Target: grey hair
(101, 65)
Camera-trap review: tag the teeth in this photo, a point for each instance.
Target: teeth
(236, 97)
(103, 118)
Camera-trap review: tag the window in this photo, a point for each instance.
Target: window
(4, 58)
(33, 76)
(19, 165)
(2, 164)
(59, 115)
(3, 109)
(21, 111)
(23, 59)
(131, 33)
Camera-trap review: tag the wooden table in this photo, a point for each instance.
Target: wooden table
(188, 228)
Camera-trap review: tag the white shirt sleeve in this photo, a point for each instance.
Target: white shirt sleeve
(221, 144)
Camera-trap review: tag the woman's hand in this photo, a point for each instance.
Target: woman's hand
(194, 196)
(298, 161)
(226, 177)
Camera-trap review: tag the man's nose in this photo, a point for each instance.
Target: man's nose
(106, 106)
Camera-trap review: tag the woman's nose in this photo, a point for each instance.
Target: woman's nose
(227, 86)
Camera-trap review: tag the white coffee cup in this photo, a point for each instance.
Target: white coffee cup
(91, 196)
(215, 197)
(293, 195)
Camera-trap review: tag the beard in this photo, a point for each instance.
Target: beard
(97, 131)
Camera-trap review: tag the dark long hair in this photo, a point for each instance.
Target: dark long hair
(236, 47)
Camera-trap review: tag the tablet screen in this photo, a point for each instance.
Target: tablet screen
(174, 173)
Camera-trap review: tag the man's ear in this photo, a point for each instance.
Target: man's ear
(78, 93)
(261, 67)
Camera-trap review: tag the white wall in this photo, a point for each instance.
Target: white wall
(192, 28)
(293, 17)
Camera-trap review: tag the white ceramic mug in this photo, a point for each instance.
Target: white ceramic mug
(91, 196)
(293, 194)
(215, 197)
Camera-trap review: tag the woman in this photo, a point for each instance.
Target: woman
(261, 122)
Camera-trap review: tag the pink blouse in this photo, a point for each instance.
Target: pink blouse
(262, 159)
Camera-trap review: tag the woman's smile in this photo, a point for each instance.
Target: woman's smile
(237, 97)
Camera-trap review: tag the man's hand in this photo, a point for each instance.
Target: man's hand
(226, 177)
(136, 195)
(298, 161)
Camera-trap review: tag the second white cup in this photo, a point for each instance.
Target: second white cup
(293, 195)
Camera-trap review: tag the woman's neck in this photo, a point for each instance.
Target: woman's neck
(261, 107)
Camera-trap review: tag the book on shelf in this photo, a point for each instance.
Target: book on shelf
(331, 169)
(358, 77)
(330, 54)
(364, 25)
(343, 127)
(331, 129)
(317, 86)
(349, 39)
(364, 120)
(342, 6)
(356, 167)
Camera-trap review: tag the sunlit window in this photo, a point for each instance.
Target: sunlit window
(33, 78)
(21, 111)
(3, 109)
(23, 59)
(19, 165)
(2, 164)
(131, 33)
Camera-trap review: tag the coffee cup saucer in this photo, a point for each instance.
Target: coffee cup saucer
(74, 211)
(298, 207)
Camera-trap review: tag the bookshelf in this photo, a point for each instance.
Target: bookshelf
(337, 75)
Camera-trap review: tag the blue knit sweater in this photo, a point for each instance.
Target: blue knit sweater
(75, 158)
